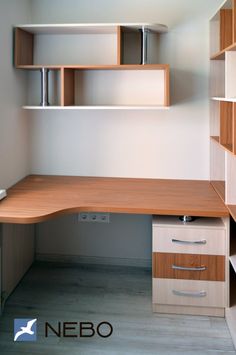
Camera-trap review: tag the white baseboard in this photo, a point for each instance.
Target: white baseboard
(77, 259)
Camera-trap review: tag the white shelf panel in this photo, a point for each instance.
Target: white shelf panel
(228, 99)
(96, 107)
(232, 260)
(88, 28)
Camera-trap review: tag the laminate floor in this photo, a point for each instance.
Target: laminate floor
(53, 292)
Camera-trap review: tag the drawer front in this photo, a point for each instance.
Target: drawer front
(189, 293)
(189, 241)
(189, 266)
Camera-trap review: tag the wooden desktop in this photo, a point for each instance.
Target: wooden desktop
(37, 198)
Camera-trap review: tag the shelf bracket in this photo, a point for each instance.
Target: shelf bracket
(44, 87)
(144, 46)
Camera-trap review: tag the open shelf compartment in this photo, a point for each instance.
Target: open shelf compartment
(227, 126)
(124, 86)
(217, 167)
(223, 30)
(93, 44)
(129, 87)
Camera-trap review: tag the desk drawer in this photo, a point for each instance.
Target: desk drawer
(189, 240)
(189, 293)
(189, 266)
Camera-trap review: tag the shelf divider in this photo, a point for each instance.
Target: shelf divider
(119, 45)
(67, 87)
(24, 44)
(234, 20)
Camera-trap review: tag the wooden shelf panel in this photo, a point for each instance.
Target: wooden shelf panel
(38, 67)
(221, 54)
(216, 139)
(218, 56)
(98, 67)
(99, 107)
(38, 198)
(89, 28)
(224, 99)
(227, 147)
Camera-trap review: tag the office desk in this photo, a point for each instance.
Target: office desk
(37, 198)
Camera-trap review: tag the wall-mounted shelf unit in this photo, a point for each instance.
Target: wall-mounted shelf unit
(93, 65)
(223, 128)
(223, 101)
(223, 75)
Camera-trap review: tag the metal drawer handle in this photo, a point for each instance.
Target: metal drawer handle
(196, 268)
(189, 293)
(196, 242)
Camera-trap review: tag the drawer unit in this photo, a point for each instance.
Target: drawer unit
(189, 293)
(189, 266)
(186, 239)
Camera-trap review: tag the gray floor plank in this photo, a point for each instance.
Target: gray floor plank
(120, 295)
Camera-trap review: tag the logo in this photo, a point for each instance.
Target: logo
(25, 329)
(79, 329)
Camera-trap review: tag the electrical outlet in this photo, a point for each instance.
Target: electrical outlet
(93, 217)
(104, 217)
(84, 217)
(98, 217)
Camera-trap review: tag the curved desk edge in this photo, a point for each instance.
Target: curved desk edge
(38, 198)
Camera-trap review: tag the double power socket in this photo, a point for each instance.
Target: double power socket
(99, 217)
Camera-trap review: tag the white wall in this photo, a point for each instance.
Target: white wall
(159, 144)
(14, 125)
(172, 144)
(16, 241)
(125, 240)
